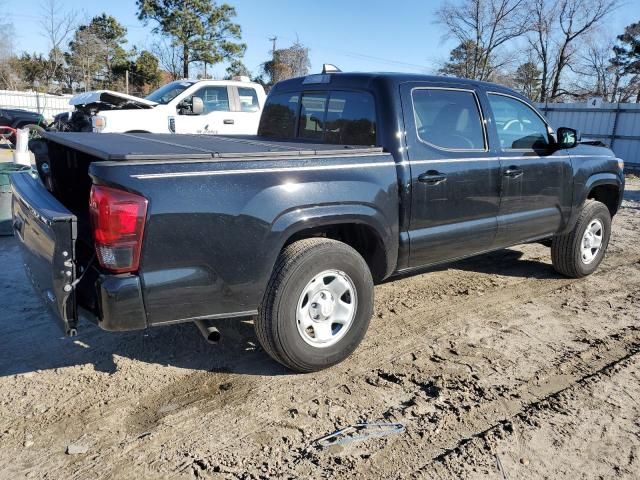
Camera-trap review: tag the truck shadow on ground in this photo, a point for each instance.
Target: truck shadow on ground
(506, 262)
(30, 339)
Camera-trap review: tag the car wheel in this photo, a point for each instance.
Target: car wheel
(317, 305)
(579, 252)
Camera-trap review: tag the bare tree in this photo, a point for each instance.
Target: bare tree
(489, 24)
(57, 26)
(7, 74)
(595, 73)
(169, 55)
(86, 56)
(558, 28)
(543, 15)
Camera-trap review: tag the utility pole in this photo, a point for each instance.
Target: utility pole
(126, 82)
(274, 75)
(273, 49)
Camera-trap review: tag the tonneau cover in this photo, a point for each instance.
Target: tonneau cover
(148, 146)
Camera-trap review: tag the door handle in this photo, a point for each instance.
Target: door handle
(513, 172)
(432, 177)
(228, 121)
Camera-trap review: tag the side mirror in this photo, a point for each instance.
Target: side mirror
(568, 137)
(197, 106)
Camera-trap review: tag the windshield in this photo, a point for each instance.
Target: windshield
(165, 94)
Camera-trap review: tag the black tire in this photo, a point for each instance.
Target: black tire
(276, 324)
(566, 253)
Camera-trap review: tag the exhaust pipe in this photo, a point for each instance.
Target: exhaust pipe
(211, 334)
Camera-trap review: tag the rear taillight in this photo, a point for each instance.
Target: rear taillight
(118, 224)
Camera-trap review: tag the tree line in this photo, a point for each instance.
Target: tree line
(550, 50)
(94, 54)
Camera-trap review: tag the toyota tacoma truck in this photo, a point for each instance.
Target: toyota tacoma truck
(352, 179)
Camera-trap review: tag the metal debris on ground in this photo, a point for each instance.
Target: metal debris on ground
(359, 432)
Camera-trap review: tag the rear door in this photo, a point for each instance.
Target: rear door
(535, 175)
(455, 176)
(245, 111)
(46, 231)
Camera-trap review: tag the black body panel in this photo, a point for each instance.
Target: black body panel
(46, 231)
(214, 257)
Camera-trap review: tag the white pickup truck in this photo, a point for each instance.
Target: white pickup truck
(225, 107)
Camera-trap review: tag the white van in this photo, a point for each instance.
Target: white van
(224, 107)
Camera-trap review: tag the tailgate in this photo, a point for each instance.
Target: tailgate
(46, 231)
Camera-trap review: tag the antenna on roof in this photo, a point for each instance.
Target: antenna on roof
(330, 68)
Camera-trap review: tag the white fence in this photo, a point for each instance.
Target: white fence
(43, 103)
(617, 125)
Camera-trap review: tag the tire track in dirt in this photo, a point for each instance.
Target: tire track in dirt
(627, 350)
(169, 422)
(481, 448)
(260, 421)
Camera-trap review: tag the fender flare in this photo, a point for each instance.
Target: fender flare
(294, 221)
(594, 180)
(597, 179)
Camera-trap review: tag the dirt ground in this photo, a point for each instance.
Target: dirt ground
(496, 366)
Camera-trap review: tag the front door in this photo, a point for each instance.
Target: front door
(455, 176)
(216, 117)
(535, 174)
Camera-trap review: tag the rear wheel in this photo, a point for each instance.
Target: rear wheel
(317, 306)
(579, 252)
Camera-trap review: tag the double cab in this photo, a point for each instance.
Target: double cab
(353, 178)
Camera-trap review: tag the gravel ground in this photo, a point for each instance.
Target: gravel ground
(497, 366)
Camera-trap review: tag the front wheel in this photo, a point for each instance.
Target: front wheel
(317, 305)
(578, 253)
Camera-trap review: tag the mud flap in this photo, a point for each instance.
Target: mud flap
(46, 231)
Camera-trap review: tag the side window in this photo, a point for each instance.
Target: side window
(248, 99)
(518, 125)
(279, 116)
(448, 119)
(312, 110)
(216, 99)
(351, 119)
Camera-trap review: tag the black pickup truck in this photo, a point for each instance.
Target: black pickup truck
(353, 178)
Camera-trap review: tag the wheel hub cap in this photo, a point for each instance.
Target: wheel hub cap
(322, 306)
(326, 308)
(591, 241)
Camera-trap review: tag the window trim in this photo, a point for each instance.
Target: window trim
(544, 121)
(483, 122)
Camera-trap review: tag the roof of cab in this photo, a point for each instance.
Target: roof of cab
(365, 79)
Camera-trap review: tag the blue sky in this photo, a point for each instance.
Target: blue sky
(373, 35)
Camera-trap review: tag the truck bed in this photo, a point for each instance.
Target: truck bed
(146, 146)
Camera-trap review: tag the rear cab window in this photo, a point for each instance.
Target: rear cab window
(336, 117)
